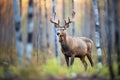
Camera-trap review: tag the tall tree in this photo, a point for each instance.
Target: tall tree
(47, 31)
(97, 33)
(40, 27)
(117, 32)
(73, 24)
(17, 22)
(86, 27)
(105, 24)
(55, 37)
(20, 7)
(30, 27)
(109, 37)
(63, 9)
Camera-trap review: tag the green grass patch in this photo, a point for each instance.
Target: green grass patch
(53, 68)
(1, 71)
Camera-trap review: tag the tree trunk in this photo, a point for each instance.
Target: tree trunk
(19, 43)
(117, 32)
(97, 33)
(55, 37)
(109, 36)
(20, 8)
(29, 47)
(47, 31)
(40, 28)
(63, 9)
(86, 28)
(73, 24)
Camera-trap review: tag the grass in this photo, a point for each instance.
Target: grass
(51, 67)
(1, 71)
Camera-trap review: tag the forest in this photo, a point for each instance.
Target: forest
(59, 39)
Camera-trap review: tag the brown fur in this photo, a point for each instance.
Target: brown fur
(74, 46)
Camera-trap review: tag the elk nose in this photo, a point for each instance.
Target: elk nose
(58, 33)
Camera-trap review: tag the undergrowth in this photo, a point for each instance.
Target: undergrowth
(54, 69)
(48, 66)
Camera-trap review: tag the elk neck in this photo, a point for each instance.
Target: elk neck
(64, 42)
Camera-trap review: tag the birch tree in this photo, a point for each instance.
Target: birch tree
(20, 7)
(55, 37)
(17, 22)
(97, 33)
(30, 27)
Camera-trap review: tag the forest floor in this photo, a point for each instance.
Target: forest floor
(50, 77)
(78, 77)
(50, 71)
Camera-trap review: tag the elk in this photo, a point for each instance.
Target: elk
(73, 46)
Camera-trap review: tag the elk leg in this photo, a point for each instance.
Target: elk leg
(90, 59)
(67, 60)
(84, 62)
(72, 60)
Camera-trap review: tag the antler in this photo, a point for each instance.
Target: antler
(52, 21)
(67, 23)
(57, 24)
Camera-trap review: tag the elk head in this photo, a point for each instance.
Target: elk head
(61, 30)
